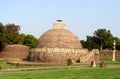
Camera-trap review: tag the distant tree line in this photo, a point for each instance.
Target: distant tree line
(9, 34)
(101, 39)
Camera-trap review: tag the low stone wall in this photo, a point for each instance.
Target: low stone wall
(109, 53)
(54, 57)
(58, 55)
(15, 51)
(91, 56)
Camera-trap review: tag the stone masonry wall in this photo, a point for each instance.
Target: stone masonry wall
(14, 51)
(55, 57)
(109, 53)
(58, 55)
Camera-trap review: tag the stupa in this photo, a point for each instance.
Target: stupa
(57, 45)
(59, 37)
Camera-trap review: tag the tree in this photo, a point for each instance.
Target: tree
(22, 38)
(117, 42)
(90, 43)
(69, 62)
(103, 38)
(9, 34)
(83, 43)
(13, 33)
(3, 39)
(30, 41)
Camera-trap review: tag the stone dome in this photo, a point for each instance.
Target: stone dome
(59, 37)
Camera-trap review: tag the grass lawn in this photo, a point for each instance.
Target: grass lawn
(83, 71)
(109, 58)
(89, 73)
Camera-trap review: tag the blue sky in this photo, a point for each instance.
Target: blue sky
(82, 17)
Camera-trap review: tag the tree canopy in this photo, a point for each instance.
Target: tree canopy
(13, 33)
(9, 34)
(29, 40)
(3, 36)
(101, 39)
(104, 38)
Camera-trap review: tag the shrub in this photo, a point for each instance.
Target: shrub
(69, 62)
(17, 65)
(0, 67)
(92, 62)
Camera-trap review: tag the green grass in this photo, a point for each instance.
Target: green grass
(84, 71)
(4, 65)
(109, 58)
(89, 73)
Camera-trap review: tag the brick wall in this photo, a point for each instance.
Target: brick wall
(15, 51)
(109, 53)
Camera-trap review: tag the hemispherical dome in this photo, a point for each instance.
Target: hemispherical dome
(61, 38)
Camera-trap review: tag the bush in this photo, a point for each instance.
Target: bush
(0, 67)
(92, 62)
(69, 62)
(17, 65)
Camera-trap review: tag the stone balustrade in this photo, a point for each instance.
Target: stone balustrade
(89, 55)
(60, 55)
(59, 50)
(59, 26)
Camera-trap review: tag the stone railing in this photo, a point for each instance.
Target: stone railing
(59, 50)
(89, 55)
(59, 26)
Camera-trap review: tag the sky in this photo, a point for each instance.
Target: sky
(82, 17)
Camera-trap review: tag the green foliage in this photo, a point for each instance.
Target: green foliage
(0, 67)
(9, 34)
(22, 38)
(117, 40)
(3, 36)
(102, 39)
(83, 43)
(117, 43)
(30, 41)
(17, 65)
(69, 62)
(13, 33)
(90, 43)
(109, 58)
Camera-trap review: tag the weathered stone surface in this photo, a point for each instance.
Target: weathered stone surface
(102, 64)
(57, 45)
(15, 51)
(55, 57)
(38, 55)
(109, 53)
(61, 38)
